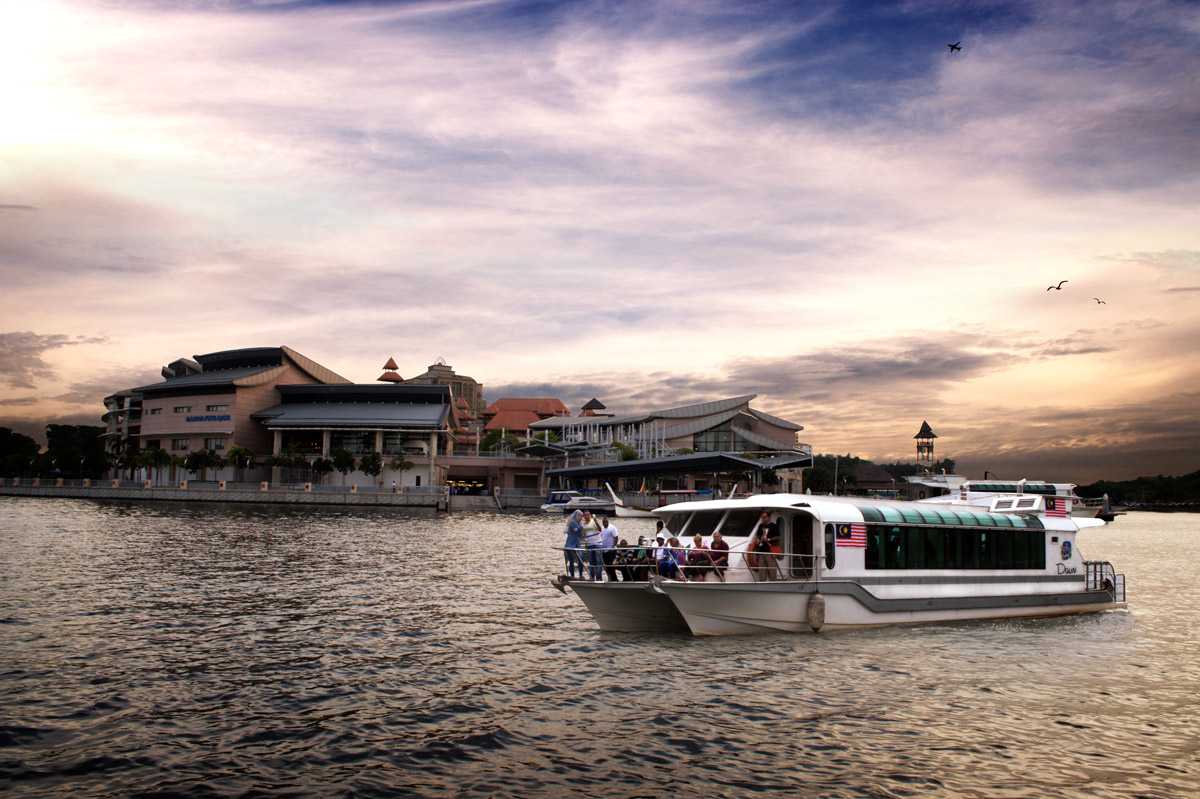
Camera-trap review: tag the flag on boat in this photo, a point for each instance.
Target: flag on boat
(852, 535)
(1058, 506)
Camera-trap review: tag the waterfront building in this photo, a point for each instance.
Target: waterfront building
(409, 426)
(468, 399)
(729, 426)
(515, 414)
(209, 402)
(122, 423)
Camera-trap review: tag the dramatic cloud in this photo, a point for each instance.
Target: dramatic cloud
(21, 355)
(649, 202)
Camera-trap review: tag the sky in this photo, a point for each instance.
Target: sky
(647, 202)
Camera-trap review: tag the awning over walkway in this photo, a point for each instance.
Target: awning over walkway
(698, 463)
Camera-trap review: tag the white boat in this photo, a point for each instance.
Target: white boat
(980, 493)
(850, 562)
(567, 501)
(645, 508)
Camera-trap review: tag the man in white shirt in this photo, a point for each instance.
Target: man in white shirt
(608, 543)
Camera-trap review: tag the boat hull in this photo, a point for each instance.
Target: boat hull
(755, 608)
(629, 607)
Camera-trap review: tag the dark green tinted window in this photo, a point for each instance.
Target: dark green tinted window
(911, 547)
(872, 514)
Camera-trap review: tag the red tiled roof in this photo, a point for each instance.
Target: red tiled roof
(390, 377)
(512, 420)
(541, 406)
(390, 366)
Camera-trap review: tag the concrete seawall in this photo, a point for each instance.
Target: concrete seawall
(273, 496)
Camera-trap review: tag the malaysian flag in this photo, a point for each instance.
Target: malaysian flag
(852, 535)
(1058, 506)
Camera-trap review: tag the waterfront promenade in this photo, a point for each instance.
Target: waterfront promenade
(433, 499)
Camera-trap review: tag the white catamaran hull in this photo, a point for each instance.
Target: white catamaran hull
(756, 608)
(629, 607)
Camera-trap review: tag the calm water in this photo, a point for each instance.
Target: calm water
(157, 650)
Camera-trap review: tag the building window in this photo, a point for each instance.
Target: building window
(355, 443)
(178, 444)
(154, 411)
(214, 443)
(418, 481)
(154, 443)
(216, 408)
(183, 409)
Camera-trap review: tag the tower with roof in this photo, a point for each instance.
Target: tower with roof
(390, 375)
(925, 437)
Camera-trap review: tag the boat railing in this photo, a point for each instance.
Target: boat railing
(1101, 576)
(639, 563)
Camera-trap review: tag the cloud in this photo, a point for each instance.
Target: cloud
(16, 207)
(91, 392)
(1181, 289)
(21, 355)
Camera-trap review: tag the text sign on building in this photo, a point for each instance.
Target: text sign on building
(212, 417)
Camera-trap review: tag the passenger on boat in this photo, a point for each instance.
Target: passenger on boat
(608, 543)
(668, 563)
(594, 538)
(698, 560)
(644, 558)
(571, 547)
(720, 555)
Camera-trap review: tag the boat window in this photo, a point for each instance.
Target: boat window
(831, 547)
(986, 519)
(705, 521)
(909, 547)
(930, 516)
(676, 521)
(891, 514)
(739, 523)
(949, 517)
(869, 514)
(1017, 521)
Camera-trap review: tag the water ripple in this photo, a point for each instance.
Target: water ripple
(157, 650)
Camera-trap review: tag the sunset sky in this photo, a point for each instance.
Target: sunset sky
(650, 203)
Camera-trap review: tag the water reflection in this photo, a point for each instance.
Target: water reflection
(194, 649)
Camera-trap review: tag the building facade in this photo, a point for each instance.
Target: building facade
(208, 403)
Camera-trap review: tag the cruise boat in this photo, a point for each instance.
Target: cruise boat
(956, 490)
(645, 508)
(851, 562)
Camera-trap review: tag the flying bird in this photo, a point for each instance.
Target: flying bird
(1058, 287)
(1099, 301)
(954, 48)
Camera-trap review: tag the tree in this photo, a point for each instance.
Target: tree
(497, 440)
(371, 464)
(18, 453)
(200, 462)
(155, 459)
(625, 452)
(241, 459)
(343, 461)
(401, 464)
(321, 467)
(76, 450)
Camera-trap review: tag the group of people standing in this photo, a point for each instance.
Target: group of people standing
(593, 550)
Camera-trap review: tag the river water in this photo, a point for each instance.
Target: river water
(160, 650)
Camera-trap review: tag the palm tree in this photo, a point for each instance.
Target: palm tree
(241, 459)
(400, 464)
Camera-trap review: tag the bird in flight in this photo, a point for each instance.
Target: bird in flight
(1058, 287)
(1099, 301)
(954, 48)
